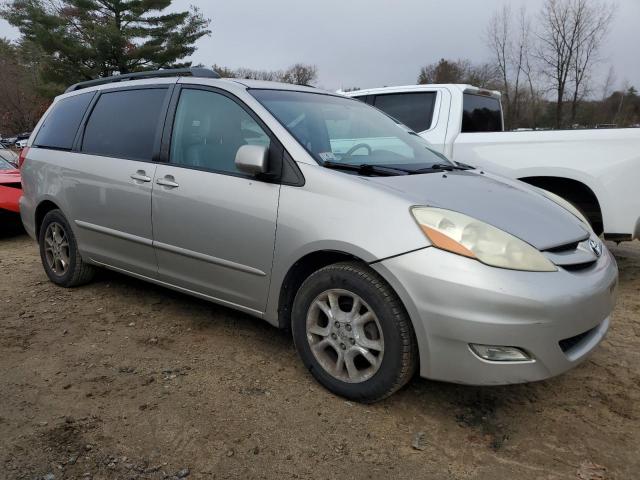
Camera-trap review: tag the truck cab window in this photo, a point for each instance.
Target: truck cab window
(481, 114)
(414, 109)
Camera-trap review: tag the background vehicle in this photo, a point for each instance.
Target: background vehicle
(9, 141)
(8, 155)
(596, 170)
(10, 186)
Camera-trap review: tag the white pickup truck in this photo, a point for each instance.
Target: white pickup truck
(598, 171)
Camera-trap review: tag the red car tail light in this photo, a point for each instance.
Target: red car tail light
(23, 155)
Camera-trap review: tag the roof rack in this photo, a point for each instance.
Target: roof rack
(169, 72)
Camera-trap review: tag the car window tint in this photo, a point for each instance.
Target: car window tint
(415, 109)
(208, 130)
(481, 114)
(61, 124)
(124, 124)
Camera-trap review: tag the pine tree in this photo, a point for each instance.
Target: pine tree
(84, 39)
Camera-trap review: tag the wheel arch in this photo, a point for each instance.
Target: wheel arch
(575, 192)
(299, 272)
(44, 207)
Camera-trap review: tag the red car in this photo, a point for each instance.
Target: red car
(10, 186)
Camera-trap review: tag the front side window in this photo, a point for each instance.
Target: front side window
(481, 114)
(340, 129)
(414, 109)
(124, 124)
(61, 124)
(208, 130)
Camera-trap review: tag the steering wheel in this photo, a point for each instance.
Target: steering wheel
(357, 147)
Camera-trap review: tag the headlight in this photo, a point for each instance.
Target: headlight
(458, 233)
(567, 206)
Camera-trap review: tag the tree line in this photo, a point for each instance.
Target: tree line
(544, 63)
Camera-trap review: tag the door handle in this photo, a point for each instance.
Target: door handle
(167, 181)
(141, 176)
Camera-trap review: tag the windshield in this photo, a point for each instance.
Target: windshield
(338, 129)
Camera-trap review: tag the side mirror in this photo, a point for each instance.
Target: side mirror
(253, 159)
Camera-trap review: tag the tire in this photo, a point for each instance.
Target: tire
(72, 271)
(326, 337)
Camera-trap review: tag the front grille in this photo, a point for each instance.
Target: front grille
(573, 256)
(576, 267)
(569, 343)
(569, 247)
(17, 185)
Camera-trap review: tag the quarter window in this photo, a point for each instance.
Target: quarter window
(414, 109)
(61, 124)
(208, 130)
(124, 124)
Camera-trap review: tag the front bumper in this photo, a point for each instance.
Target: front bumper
(454, 301)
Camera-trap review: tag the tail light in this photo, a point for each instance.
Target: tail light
(23, 155)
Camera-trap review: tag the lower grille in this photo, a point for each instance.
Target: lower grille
(569, 343)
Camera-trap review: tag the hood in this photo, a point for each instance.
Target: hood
(9, 176)
(509, 205)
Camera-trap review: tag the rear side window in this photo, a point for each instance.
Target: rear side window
(415, 109)
(481, 114)
(124, 124)
(61, 124)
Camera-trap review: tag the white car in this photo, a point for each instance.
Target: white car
(598, 171)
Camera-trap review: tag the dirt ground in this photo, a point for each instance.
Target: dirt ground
(122, 379)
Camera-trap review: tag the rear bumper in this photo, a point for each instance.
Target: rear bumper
(28, 216)
(455, 301)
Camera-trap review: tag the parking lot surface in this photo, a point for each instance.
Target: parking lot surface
(123, 379)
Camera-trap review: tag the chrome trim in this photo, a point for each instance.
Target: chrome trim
(114, 233)
(171, 248)
(208, 258)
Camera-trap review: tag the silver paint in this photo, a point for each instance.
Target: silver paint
(233, 239)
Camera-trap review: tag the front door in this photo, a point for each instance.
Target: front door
(214, 227)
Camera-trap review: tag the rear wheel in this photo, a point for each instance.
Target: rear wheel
(59, 252)
(352, 332)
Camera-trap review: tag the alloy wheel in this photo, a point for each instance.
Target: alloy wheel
(345, 335)
(56, 249)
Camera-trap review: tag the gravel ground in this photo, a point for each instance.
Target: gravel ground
(122, 379)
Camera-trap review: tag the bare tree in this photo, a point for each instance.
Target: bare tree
(569, 39)
(299, 73)
(593, 21)
(509, 39)
(609, 82)
(498, 39)
(483, 75)
(22, 103)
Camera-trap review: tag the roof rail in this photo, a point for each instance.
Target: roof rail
(169, 72)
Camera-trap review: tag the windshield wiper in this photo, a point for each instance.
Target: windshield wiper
(442, 167)
(367, 168)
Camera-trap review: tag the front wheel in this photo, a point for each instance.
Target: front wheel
(352, 332)
(59, 252)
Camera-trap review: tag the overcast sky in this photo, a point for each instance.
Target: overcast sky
(368, 43)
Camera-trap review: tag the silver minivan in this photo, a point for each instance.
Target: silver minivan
(319, 214)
